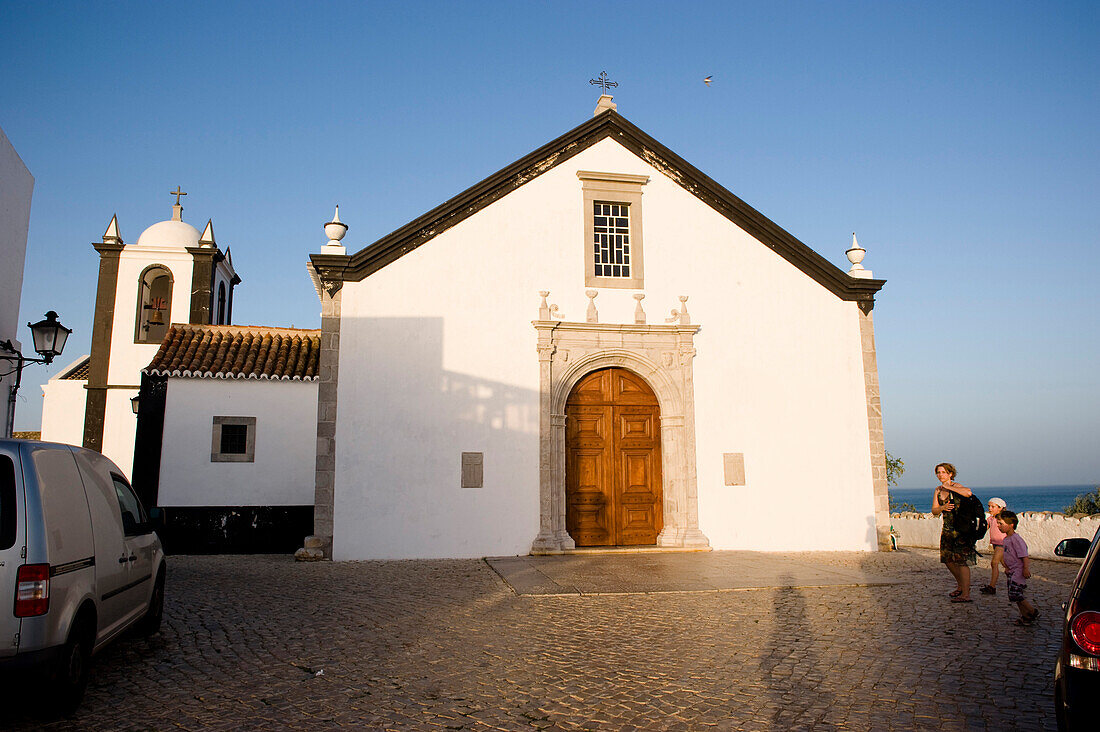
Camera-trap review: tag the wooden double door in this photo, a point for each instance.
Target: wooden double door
(613, 461)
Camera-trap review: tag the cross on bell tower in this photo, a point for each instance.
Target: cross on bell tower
(177, 209)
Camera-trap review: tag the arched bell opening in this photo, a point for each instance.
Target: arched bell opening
(154, 304)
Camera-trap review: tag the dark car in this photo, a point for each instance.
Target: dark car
(1077, 673)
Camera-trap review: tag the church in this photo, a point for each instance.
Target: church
(598, 346)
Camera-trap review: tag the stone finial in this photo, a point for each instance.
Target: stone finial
(680, 315)
(591, 316)
(207, 238)
(111, 236)
(546, 312)
(639, 314)
(604, 104)
(335, 231)
(855, 256)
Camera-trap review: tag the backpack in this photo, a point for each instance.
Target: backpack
(970, 518)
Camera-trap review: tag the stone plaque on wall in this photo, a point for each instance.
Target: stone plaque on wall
(472, 469)
(733, 464)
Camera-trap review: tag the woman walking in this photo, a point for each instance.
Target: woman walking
(956, 550)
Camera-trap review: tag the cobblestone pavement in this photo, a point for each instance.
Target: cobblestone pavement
(265, 643)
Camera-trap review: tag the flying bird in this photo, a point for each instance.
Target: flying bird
(708, 80)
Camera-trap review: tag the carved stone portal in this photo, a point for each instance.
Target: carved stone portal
(662, 355)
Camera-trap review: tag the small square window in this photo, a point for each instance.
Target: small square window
(233, 440)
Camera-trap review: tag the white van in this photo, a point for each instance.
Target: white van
(79, 563)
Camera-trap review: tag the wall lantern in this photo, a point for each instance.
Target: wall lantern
(49, 337)
(135, 402)
(49, 340)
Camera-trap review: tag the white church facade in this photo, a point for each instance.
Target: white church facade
(596, 346)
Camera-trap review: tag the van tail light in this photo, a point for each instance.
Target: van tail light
(1085, 630)
(32, 590)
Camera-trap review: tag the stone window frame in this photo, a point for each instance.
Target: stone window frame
(663, 356)
(139, 336)
(619, 188)
(249, 454)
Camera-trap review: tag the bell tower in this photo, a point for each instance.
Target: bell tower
(171, 274)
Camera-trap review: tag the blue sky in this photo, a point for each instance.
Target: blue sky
(959, 140)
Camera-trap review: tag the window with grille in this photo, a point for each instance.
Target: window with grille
(611, 229)
(233, 440)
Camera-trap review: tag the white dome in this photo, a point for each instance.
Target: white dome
(169, 234)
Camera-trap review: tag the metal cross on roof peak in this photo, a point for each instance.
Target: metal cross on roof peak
(177, 193)
(603, 82)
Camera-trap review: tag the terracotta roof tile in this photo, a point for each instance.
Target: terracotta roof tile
(80, 371)
(238, 352)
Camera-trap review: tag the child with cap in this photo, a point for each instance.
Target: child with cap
(997, 543)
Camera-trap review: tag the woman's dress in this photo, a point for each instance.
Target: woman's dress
(954, 548)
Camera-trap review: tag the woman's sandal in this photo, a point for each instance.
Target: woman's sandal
(961, 599)
(956, 593)
(988, 590)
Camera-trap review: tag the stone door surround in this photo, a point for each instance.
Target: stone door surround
(662, 355)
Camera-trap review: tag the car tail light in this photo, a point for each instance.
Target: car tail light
(32, 590)
(1085, 630)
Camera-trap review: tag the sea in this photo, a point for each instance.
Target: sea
(1019, 497)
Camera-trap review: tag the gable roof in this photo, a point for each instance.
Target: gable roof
(238, 352)
(393, 246)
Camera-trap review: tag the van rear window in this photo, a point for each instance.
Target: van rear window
(7, 502)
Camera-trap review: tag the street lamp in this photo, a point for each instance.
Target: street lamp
(49, 338)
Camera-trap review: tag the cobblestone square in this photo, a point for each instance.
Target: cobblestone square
(262, 642)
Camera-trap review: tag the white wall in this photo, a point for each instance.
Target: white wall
(286, 439)
(438, 357)
(63, 403)
(1042, 530)
(16, 187)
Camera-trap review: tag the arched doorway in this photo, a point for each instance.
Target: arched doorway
(613, 492)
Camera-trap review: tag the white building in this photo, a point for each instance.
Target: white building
(598, 345)
(16, 188)
(226, 437)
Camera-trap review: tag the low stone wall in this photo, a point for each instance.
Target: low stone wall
(1042, 530)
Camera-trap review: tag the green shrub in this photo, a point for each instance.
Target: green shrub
(1087, 503)
(894, 468)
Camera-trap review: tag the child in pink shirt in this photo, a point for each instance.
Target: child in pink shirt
(997, 543)
(1017, 566)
